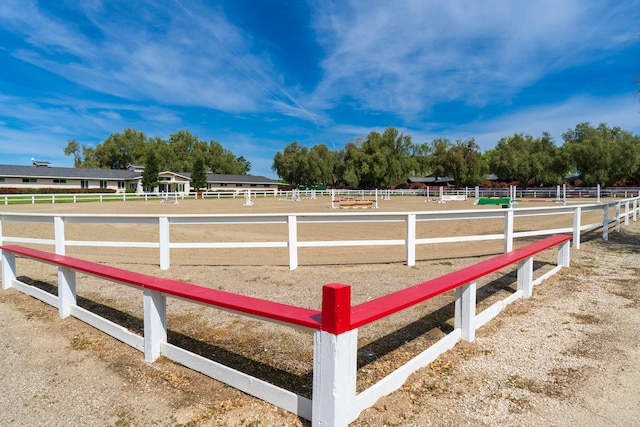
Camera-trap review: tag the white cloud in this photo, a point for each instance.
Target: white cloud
(622, 111)
(405, 58)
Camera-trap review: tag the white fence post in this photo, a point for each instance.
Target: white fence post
(617, 228)
(58, 226)
(411, 239)
(465, 311)
(292, 223)
(564, 257)
(155, 323)
(605, 223)
(66, 291)
(335, 360)
(8, 269)
(577, 221)
(165, 252)
(525, 277)
(626, 213)
(508, 230)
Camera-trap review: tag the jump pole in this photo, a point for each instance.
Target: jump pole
(247, 199)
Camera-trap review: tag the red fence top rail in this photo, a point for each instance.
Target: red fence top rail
(253, 306)
(337, 315)
(378, 308)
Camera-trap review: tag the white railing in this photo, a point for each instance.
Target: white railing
(15, 199)
(611, 212)
(335, 401)
(555, 193)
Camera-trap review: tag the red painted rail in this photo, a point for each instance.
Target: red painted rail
(337, 315)
(253, 306)
(376, 309)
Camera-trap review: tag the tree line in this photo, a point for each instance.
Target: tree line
(599, 155)
(182, 152)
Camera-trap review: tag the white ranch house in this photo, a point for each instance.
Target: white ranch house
(41, 175)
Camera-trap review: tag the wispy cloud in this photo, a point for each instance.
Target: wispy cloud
(171, 55)
(406, 59)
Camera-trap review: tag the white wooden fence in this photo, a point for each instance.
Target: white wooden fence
(617, 212)
(335, 402)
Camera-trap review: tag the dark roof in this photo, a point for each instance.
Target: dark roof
(431, 179)
(232, 179)
(71, 173)
(245, 179)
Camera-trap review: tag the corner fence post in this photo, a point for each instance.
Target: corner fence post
(8, 269)
(155, 323)
(411, 239)
(292, 224)
(465, 311)
(334, 360)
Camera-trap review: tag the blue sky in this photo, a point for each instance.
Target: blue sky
(257, 75)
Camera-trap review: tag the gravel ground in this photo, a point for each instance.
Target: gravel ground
(568, 355)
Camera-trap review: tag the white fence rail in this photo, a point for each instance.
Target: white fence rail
(555, 193)
(616, 212)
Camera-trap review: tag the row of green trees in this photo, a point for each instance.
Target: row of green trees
(600, 155)
(179, 153)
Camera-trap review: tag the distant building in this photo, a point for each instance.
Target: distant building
(42, 175)
(432, 181)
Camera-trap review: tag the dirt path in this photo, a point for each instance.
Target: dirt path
(569, 355)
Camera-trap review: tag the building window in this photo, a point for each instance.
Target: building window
(266, 185)
(238, 185)
(224, 184)
(84, 183)
(59, 181)
(121, 185)
(132, 186)
(1, 179)
(103, 184)
(29, 180)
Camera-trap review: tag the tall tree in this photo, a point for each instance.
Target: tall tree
(530, 161)
(291, 164)
(151, 171)
(198, 175)
(465, 163)
(439, 156)
(602, 155)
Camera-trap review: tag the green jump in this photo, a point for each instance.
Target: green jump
(494, 200)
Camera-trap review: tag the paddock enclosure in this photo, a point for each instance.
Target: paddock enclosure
(137, 222)
(273, 352)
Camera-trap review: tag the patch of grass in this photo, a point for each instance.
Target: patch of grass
(79, 342)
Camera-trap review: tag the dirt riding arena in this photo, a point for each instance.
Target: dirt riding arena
(566, 355)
